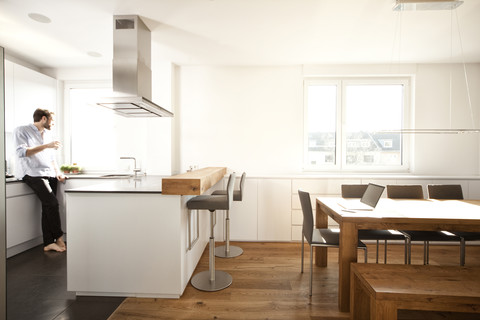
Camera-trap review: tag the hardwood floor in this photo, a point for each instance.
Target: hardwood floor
(267, 284)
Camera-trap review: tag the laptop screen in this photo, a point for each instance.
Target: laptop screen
(372, 194)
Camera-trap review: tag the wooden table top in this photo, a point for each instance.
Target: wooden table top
(417, 214)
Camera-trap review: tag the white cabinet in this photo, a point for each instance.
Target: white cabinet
(131, 244)
(24, 213)
(274, 210)
(26, 90)
(23, 218)
(70, 184)
(243, 214)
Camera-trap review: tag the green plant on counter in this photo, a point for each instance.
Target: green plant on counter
(76, 169)
(66, 168)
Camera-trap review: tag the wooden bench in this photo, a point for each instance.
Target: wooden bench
(379, 291)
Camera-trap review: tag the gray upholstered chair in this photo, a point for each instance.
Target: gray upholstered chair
(416, 192)
(357, 191)
(453, 192)
(228, 251)
(212, 280)
(445, 191)
(317, 237)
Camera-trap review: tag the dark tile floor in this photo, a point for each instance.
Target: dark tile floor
(37, 290)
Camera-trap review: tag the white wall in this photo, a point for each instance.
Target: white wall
(246, 118)
(447, 154)
(251, 118)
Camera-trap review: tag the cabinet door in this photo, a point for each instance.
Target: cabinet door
(71, 184)
(243, 214)
(23, 219)
(32, 90)
(274, 210)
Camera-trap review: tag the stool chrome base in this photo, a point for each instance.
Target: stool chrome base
(221, 252)
(201, 281)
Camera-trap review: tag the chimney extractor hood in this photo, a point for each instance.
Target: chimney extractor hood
(132, 76)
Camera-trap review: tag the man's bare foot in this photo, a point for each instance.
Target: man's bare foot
(60, 243)
(53, 247)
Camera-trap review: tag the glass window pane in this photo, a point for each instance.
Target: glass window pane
(321, 124)
(93, 142)
(370, 109)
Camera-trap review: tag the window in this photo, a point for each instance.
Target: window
(349, 124)
(92, 138)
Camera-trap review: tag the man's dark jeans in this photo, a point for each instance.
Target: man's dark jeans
(46, 189)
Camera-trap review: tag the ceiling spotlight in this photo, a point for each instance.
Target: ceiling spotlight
(39, 18)
(413, 5)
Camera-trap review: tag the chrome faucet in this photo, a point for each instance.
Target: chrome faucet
(135, 169)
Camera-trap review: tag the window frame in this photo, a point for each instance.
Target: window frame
(340, 140)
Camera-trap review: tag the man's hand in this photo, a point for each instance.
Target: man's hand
(54, 145)
(61, 178)
(34, 150)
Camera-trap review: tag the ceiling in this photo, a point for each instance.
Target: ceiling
(242, 32)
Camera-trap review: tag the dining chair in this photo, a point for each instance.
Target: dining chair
(357, 191)
(318, 237)
(453, 192)
(416, 192)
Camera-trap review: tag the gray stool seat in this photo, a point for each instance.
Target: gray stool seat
(212, 280)
(237, 194)
(209, 202)
(228, 251)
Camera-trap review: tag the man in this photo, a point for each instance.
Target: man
(37, 167)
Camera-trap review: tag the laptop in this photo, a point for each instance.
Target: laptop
(368, 201)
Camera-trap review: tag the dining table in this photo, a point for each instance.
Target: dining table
(389, 214)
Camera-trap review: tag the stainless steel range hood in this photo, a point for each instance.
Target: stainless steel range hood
(132, 76)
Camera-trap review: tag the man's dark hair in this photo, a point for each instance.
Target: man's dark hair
(40, 113)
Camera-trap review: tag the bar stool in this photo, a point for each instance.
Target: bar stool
(228, 251)
(212, 280)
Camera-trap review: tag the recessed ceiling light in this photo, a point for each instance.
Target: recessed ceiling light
(94, 54)
(39, 17)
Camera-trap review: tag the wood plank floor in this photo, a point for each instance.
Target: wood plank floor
(267, 284)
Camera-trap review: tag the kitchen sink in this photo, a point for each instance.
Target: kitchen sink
(117, 176)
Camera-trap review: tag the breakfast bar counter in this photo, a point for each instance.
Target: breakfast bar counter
(125, 237)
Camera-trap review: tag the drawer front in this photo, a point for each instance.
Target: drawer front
(16, 189)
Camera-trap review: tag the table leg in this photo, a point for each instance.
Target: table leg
(321, 221)
(347, 255)
(383, 310)
(359, 299)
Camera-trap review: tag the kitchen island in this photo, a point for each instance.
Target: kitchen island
(127, 238)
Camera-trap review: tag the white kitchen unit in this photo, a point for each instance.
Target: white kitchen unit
(243, 214)
(126, 238)
(274, 210)
(23, 215)
(73, 181)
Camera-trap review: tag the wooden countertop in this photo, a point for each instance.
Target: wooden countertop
(193, 182)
